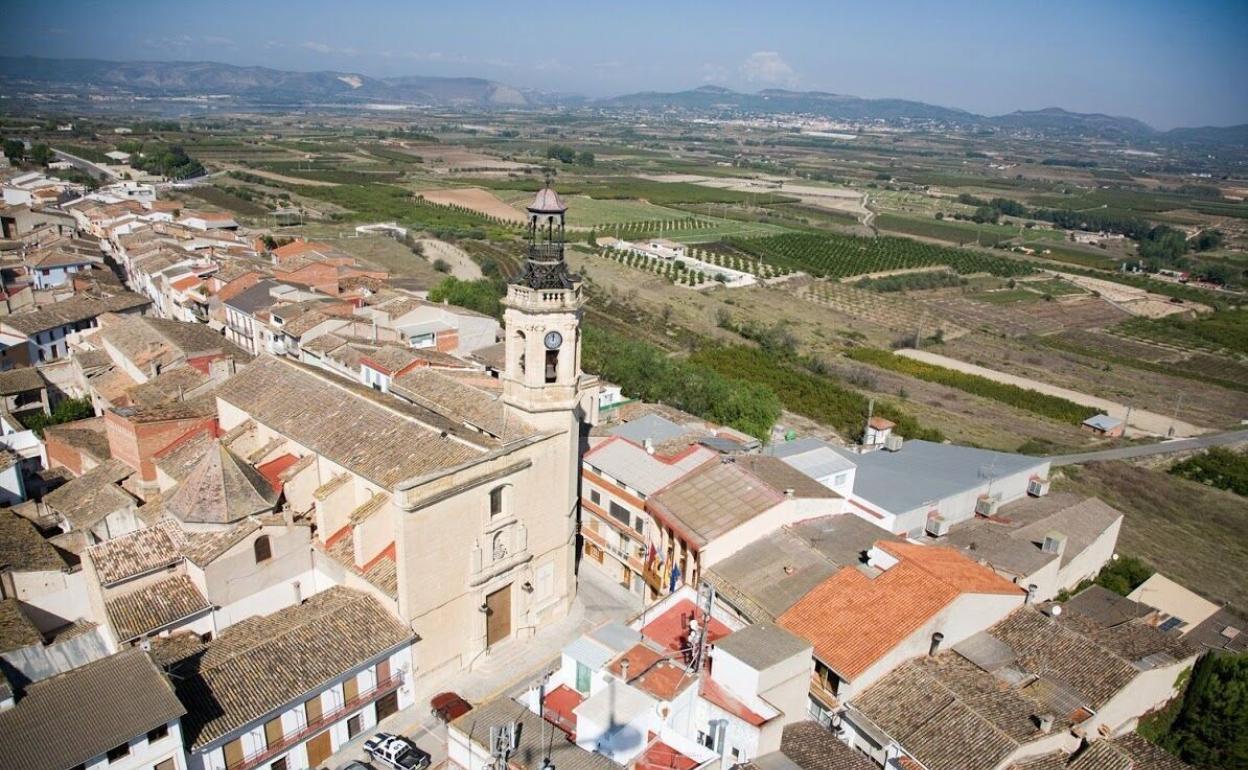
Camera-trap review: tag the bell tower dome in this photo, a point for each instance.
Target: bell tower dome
(542, 322)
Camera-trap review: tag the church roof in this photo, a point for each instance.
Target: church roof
(221, 489)
(547, 201)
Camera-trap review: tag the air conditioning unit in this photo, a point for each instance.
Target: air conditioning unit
(893, 443)
(987, 505)
(937, 526)
(1037, 487)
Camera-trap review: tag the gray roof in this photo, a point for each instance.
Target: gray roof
(651, 426)
(814, 457)
(810, 746)
(770, 575)
(763, 645)
(1102, 422)
(1223, 630)
(531, 750)
(73, 717)
(923, 472)
(617, 636)
(633, 466)
(1012, 540)
(254, 299)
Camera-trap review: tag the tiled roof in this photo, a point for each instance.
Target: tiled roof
(354, 428)
(780, 476)
(155, 607)
(762, 645)
(461, 402)
(138, 552)
(265, 662)
(167, 387)
(221, 489)
(770, 575)
(20, 380)
(86, 500)
(713, 500)
(811, 746)
(23, 549)
(382, 573)
(629, 464)
(853, 620)
(71, 311)
(86, 436)
(16, 630)
(73, 717)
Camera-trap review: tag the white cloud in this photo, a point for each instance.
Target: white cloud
(769, 68)
(326, 49)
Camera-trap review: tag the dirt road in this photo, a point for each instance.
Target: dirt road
(1141, 421)
(462, 266)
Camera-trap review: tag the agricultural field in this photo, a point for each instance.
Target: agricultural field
(841, 256)
(894, 314)
(475, 199)
(1019, 313)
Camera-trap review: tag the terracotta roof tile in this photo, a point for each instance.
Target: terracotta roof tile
(155, 607)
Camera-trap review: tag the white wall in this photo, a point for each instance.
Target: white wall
(145, 754)
(784, 513)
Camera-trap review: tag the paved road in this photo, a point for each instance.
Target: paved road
(1165, 447)
(94, 169)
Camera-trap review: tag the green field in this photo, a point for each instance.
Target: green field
(960, 233)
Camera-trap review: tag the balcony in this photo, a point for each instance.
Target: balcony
(308, 730)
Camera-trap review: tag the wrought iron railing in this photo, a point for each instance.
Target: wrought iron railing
(310, 728)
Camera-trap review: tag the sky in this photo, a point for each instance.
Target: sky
(1169, 64)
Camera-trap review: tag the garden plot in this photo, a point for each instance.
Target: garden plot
(894, 314)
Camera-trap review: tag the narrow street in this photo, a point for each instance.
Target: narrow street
(503, 670)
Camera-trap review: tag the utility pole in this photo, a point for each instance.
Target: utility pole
(1175, 417)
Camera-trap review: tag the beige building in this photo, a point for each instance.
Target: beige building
(454, 505)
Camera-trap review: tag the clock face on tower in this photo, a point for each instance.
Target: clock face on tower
(553, 340)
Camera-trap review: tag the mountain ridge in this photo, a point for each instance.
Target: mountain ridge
(277, 87)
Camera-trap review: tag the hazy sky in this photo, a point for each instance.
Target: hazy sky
(1178, 63)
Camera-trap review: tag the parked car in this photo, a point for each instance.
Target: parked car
(353, 765)
(448, 706)
(396, 752)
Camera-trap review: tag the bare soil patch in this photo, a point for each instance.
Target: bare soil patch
(476, 199)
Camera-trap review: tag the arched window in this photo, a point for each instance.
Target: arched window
(496, 500)
(262, 548)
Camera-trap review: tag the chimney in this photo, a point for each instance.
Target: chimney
(1044, 722)
(298, 592)
(624, 670)
(789, 492)
(1031, 593)
(937, 638)
(648, 443)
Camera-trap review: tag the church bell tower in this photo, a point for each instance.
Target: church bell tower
(542, 321)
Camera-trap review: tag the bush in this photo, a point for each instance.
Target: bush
(482, 296)
(1219, 467)
(1123, 575)
(68, 410)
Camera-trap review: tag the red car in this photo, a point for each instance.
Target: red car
(448, 706)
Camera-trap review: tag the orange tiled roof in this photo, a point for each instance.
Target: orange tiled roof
(294, 248)
(853, 619)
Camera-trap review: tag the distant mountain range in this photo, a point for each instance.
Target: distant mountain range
(262, 85)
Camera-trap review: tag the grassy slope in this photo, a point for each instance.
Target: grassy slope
(1194, 534)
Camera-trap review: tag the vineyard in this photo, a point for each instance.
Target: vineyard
(1042, 404)
(691, 273)
(843, 256)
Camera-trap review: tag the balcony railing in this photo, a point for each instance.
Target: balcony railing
(308, 730)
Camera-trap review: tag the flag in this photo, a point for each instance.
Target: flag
(650, 556)
(675, 577)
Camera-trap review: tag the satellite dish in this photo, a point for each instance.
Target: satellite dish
(1056, 611)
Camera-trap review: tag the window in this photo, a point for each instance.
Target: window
(426, 340)
(117, 752)
(552, 365)
(582, 678)
(639, 524)
(279, 764)
(620, 513)
(157, 733)
(262, 548)
(595, 497)
(164, 764)
(496, 501)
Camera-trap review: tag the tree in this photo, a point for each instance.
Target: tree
(481, 295)
(41, 155)
(585, 158)
(1211, 730)
(1207, 240)
(14, 150)
(561, 153)
(1124, 574)
(68, 410)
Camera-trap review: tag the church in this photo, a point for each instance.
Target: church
(452, 499)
